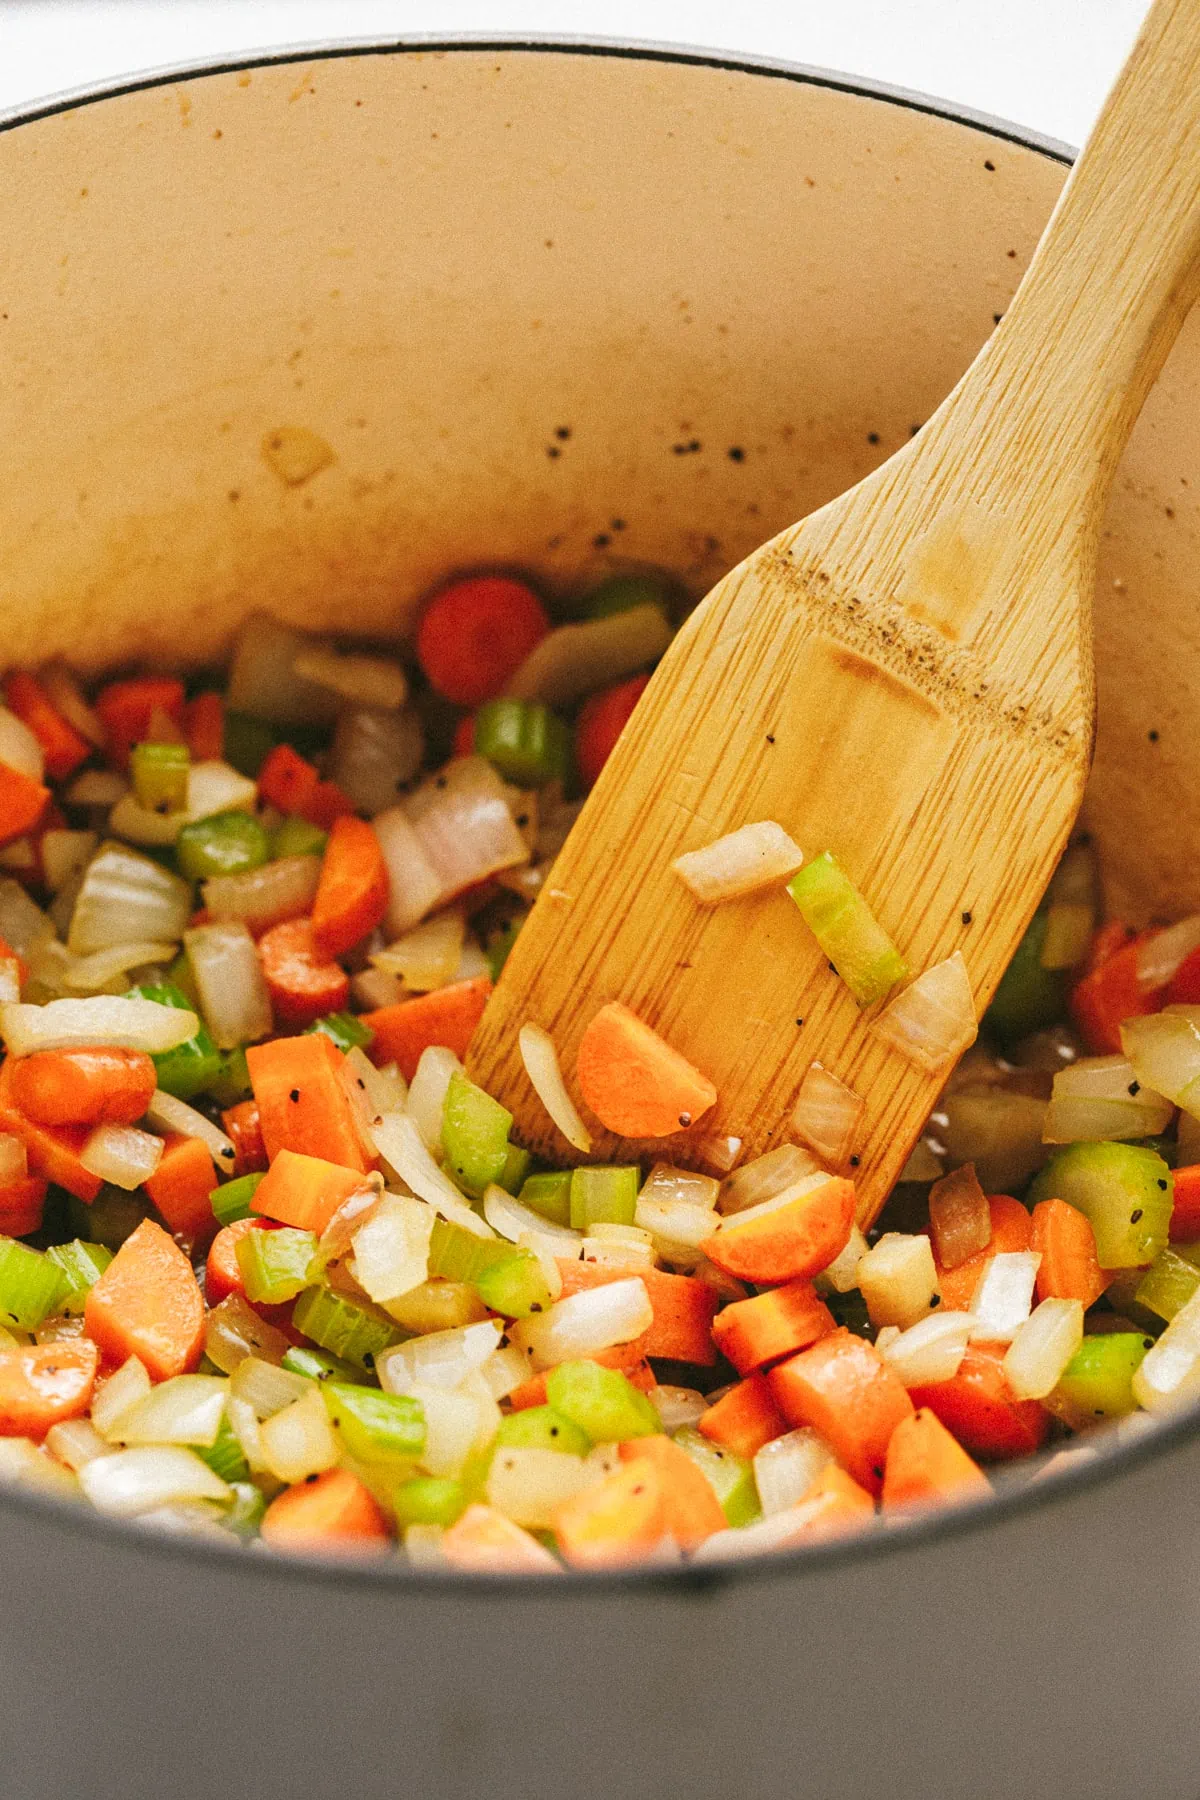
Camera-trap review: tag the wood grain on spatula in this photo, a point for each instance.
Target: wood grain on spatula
(904, 678)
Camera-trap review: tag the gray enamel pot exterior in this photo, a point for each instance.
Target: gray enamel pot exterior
(566, 307)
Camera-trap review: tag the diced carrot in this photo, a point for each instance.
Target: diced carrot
(842, 1387)
(621, 1519)
(335, 1515)
(45, 1384)
(693, 1511)
(977, 1406)
(1183, 989)
(632, 1079)
(9, 955)
(181, 1185)
(352, 892)
(464, 736)
(1111, 993)
(834, 1503)
(125, 709)
(22, 802)
(83, 1087)
(286, 780)
(485, 1542)
(326, 805)
(222, 1271)
(302, 1104)
(476, 633)
(925, 1464)
(148, 1304)
(789, 1242)
(52, 1150)
(243, 1128)
(447, 1017)
(630, 1359)
(1185, 1214)
(602, 719)
(303, 984)
(204, 727)
(1069, 1269)
(64, 748)
(304, 1191)
(22, 1202)
(1106, 941)
(1012, 1229)
(753, 1332)
(745, 1418)
(683, 1306)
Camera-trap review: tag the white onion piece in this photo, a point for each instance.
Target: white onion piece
(423, 1546)
(930, 1350)
(414, 886)
(135, 1481)
(806, 1185)
(922, 1165)
(10, 979)
(456, 1425)
(841, 1275)
(64, 854)
(97, 787)
(264, 897)
(66, 696)
(187, 1409)
(719, 1152)
(932, 1021)
(427, 1094)
(23, 1461)
(757, 856)
(385, 1088)
(677, 1406)
(427, 957)
(262, 681)
(19, 749)
(1165, 1052)
(619, 1255)
(1159, 956)
(122, 1154)
(579, 659)
(1169, 1373)
(76, 1442)
(680, 1224)
(374, 754)
(229, 980)
(365, 680)
(23, 926)
(243, 1421)
(114, 1397)
(960, 1220)
(399, 1143)
(216, 787)
(504, 1371)
(14, 1162)
(233, 1331)
(107, 1019)
(665, 1182)
(266, 1387)
(1004, 1294)
(391, 1250)
(786, 1468)
(765, 1177)
(299, 1441)
(510, 1217)
(166, 1113)
(1099, 1098)
(126, 898)
(91, 974)
(528, 1484)
(1042, 1347)
(583, 1323)
(145, 825)
(464, 825)
(440, 1359)
(542, 1067)
(897, 1279)
(827, 1115)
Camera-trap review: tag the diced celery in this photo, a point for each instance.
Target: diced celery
(549, 1194)
(1168, 1283)
(225, 1456)
(347, 1032)
(458, 1255)
(732, 1477)
(30, 1285)
(248, 743)
(543, 1428)
(376, 1427)
(225, 843)
(1124, 1190)
(112, 1216)
(526, 742)
(245, 1513)
(181, 975)
(232, 1201)
(847, 930)
(429, 1500)
(1097, 1383)
(515, 1284)
(515, 1170)
(276, 1265)
(160, 776)
(296, 837)
(343, 1327)
(603, 1403)
(231, 1084)
(187, 1070)
(319, 1366)
(82, 1264)
(1029, 997)
(603, 1195)
(620, 593)
(475, 1132)
(498, 946)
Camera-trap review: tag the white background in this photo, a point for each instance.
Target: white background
(1043, 63)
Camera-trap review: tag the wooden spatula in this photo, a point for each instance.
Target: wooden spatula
(904, 679)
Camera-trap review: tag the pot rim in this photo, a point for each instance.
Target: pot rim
(1013, 1498)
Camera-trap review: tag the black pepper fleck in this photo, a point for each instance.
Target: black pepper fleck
(601, 541)
(967, 917)
(440, 781)
(563, 432)
(553, 451)
(736, 454)
(229, 1151)
(799, 1021)
(294, 1095)
(833, 968)
(770, 737)
(872, 437)
(990, 167)
(1163, 1186)
(854, 1161)
(685, 1120)
(1153, 736)
(1135, 1087)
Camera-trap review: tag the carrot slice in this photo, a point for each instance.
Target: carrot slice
(204, 727)
(63, 747)
(926, 1464)
(487, 1543)
(602, 719)
(303, 984)
(630, 1359)
(1185, 1215)
(622, 1518)
(693, 1511)
(53, 1151)
(304, 1191)
(181, 1185)
(222, 1271)
(22, 1203)
(335, 1515)
(45, 1384)
(244, 1129)
(1069, 1269)
(83, 1087)
(632, 1079)
(753, 1332)
(302, 1104)
(477, 632)
(834, 1503)
(745, 1418)
(286, 780)
(787, 1239)
(125, 709)
(1012, 1229)
(1109, 994)
(683, 1306)
(447, 1017)
(352, 891)
(22, 803)
(978, 1408)
(842, 1387)
(1183, 989)
(326, 805)
(148, 1304)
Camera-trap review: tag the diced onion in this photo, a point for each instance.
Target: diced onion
(374, 754)
(542, 1067)
(366, 680)
(265, 1387)
(97, 787)
(91, 974)
(217, 787)
(1159, 956)
(262, 681)
(922, 1165)
(1165, 1052)
(1169, 1373)
(719, 1152)
(399, 1143)
(75, 1442)
(592, 1320)
(122, 1154)
(391, 1250)
(675, 1224)
(1004, 1294)
(427, 957)
(765, 1177)
(842, 1273)
(998, 1131)
(665, 1182)
(135, 1481)
(786, 1468)
(579, 659)
(427, 1094)
(125, 898)
(66, 696)
(415, 887)
(229, 980)
(827, 1115)
(510, 1217)
(337, 1239)
(440, 1359)
(677, 1406)
(299, 1441)
(960, 1221)
(1042, 1347)
(19, 749)
(930, 1350)
(243, 1422)
(621, 1255)
(528, 1484)
(234, 1331)
(166, 1113)
(385, 1088)
(23, 925)
(24, 1461)
(932, 1021)
(1100, 1098)
(114, 1397)
(145, 825)
(806, 1185)
(464, 825)
(456, 1425)
(264, 897)
(757, 856)
(65, 854)
(504, 1371)
(135, 1024)
(187, 1409)
(897, 1279)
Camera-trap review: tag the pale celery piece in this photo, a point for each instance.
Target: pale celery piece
(843, 924)
(342, 1327)
(30, 1285)
(1169, 1282)
(1125, 1190)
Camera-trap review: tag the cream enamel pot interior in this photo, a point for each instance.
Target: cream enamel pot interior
(566, 308)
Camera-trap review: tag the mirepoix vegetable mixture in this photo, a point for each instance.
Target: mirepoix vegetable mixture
(272, 1265)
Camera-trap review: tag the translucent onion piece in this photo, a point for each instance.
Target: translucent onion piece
(842, 1273)
(509, 1218)
(593, 1320)
(75, 1442)
(423, 1546)
(765, 1177)
(386, 1089)
(456, 1426)
(415, 887)
(166, 1113)
(337, 1238)
(719, 1152)
(665, 1182)
(391, 1250)
(932, 1021)
(375, 754)
(923, 1163)
(187, 1409)
(97, 787)
(14, 1163)
(440, 1359)
(677, 1406)
(234, 1331)
(92, 974)
(897, 1279)
(262, 681)
(542, 1067)
(126, 898)
(264, 897)
(367, 680)
(1069, 928)
(619, 1255)
(23, 1461)
(122, 1154)
(1165, 1052)
(1159, 956)
(299, 1441)
(579, 659)
(371, 988)
(1100, 1098)
(66, 854)
(547, 1252)
(778, 1532)
(229, 980)
(504, 1371)
(757, 856)
(529, 1484)
(108, 1019)
(400, 1145)
(930, 1350)
(135, 1481)
(66, 695)
(114, 1397)
(216, 787)
(960, 1221)
(1042, 1347)
(786, 1468)
(1169, 1374)
(805, 1185)
(265, 1387)
(827, 1115)
(680, 1224)
(139, 824)
(427, 957)
(464, 825)
(1000, 1132)
(243, 1421)
(1004, 1294)
(609, 1233)
(19, 749)
(23, 925)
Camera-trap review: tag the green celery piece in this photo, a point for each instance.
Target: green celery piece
(603, 1403)
(225, 843)
(181, 976)
(245, 1513)
(732, 1477)
(347, 1032)
(111, 1217)
(475, 1472)
(343, 1326)
(225, 1456)
(1097, 1383)
(524, 741)
(319, 1366)
(160, 776)
(31, 1286)
(621, 593)
(82, 1265)
(457, 1254)
(248, 743)
(276, 1265)
(296, 837)
(1168, 1283)
(1029, 998)
(847, 930)
(187, 1070)
(475, 1132)
(1124, 1190)
(376, 1427)
(498, 946)
(516, 1168)
(603, 1195)
(231, 1202)
(429, 1500)
(549, 1194)
(231, 1084)
(542, 1428)
(514, 1284)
